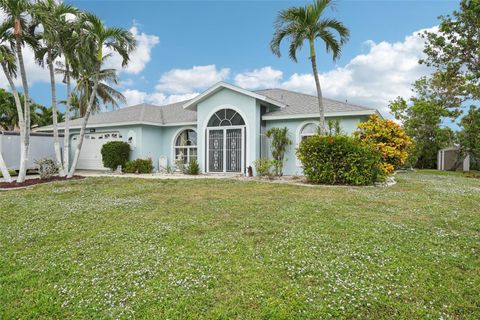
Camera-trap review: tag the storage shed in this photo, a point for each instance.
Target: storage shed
(449, 160)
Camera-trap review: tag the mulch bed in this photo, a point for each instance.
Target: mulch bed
(32, 182)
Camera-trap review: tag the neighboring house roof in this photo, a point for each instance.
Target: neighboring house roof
(304, 105)
(290, 105)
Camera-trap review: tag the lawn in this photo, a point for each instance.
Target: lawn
(222, 249)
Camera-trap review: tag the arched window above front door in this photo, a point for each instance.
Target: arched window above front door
(226, 118)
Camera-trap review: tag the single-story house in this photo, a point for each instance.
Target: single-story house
(223, 128)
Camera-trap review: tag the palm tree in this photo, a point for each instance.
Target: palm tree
(94, 37)
(17, 13)
(43, 116)
(68, 40)
(105, 94)
(300, 24)
(49, 14)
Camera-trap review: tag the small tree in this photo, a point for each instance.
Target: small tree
(334, 127)
(279, 143)
(115, 153)
(387, 137)
(469, 136)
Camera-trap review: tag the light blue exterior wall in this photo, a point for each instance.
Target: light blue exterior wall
(155, 141)
(246, 106)
(292, 165)
(137, 152)
(168, 136)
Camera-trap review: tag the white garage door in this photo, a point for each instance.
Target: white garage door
(90, 155)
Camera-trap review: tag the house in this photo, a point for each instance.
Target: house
(223, 128)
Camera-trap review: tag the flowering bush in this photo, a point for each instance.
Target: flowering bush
(388, 138)
(339, 159)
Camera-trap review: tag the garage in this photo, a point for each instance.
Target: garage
(90, 155)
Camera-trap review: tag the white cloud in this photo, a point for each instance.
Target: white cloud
(163, 99)
(182, 81)
(139, 57)
(266, 77)
(177, 85)
(386, 71)
(135, 97)
(35, 73)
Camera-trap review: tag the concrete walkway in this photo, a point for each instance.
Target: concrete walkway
(105, 174)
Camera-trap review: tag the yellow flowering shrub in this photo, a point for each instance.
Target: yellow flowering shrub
(387, 137)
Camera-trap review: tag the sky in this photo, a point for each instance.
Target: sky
(183, 47)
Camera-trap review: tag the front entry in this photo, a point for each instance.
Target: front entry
(225, 142)
(225, 150)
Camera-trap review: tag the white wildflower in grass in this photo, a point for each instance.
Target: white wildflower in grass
(207, 249)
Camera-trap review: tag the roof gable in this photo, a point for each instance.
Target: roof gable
(192, 104)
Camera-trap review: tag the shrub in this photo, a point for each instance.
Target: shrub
(12, 173)
(115, 153)
(192, 168)
(388, 138)
(138, 166)
(180, 165)
(264, 167)
(46, 168)
(339, 159)
(279, 144)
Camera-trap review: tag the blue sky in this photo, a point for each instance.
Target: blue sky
(185, 46)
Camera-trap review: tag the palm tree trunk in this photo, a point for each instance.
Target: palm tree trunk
(25, 137)
(321, 109)
(56, 142)
(18, 103)
(4, 169)
(66, 131)
(21, 120)
(84, 124)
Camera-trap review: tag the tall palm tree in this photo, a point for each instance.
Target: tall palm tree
(105, 94)
(306, 23)
(17, 13)
(69, 39)
(49, 14)
(94, 38)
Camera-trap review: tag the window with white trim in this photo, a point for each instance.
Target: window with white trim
(186, 146)
(308, 130)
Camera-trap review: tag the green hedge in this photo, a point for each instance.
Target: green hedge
(138, 166)
(339, 159)
(12, 173)
(115, 153)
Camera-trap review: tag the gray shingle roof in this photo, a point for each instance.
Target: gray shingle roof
(299, 103)
(149, 113)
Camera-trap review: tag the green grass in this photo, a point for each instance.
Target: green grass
(223, 249)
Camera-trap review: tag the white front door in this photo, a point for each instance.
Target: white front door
(226, 149)
(90, 155)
